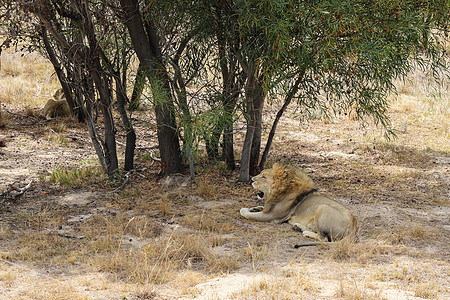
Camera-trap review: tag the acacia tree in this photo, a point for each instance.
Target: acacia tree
(320, 54)
(183, 38)
(148, 49)
(336, 55)
(82, 41)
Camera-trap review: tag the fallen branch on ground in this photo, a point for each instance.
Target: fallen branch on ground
(21, 115)
(69, 236)
(14, 196)
(65, 235)
(125, 181)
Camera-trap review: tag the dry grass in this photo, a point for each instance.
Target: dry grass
(26, 79)
(291, 284)
(207, 222)
(160, 259)
(3, 120)
(422, 106)
(151, 238)
(206, 189)
(426, 290)
(363, 252)
(357, 290)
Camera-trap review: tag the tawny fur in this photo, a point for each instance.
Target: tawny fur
(57, 107)
(289, 195)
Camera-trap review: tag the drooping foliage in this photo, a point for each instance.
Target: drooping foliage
(206, 61)
(336, 55)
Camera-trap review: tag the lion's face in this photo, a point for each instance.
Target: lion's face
(273, 184)
(59, 94)
(263, 182)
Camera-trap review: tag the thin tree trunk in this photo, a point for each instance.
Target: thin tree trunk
(146, 45)
(130, 133)
(253, 97)
(138, 87)
(109, 146)
(256, 142)
(286, 103)
(102, 82)
(61, 77)
(244, 175)
(228, 143)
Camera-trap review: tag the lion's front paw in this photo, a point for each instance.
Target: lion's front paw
(256, 209)
(244, 212)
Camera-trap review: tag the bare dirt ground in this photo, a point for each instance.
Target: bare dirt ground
(177, 239)
(398, 193)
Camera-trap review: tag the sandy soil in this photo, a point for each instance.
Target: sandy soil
(398, 193)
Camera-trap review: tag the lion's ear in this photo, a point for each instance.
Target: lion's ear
(276, 166)
(279, 172)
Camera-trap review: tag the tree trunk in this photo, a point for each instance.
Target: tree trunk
(286, 103)
(254, 96)
(130, 133)
(146, 45)
(232, 82)
(103, 87)
(256, 141)
(75, 109)
(139, 84)
(228, 143)
(244, 175)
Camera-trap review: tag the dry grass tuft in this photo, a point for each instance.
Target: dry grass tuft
(41, 246)
(158, 261)
(77, 177)
(164, 205)
(206, 189)
(207, 222)
(5, 232)
(24, 76)
(59, 127)
(30, 112)
(356, 290)
(186, 280)
(3, 118)
(256, 253)
(362, 252)
(426, 290)
(402, 235)
(58, 139)
(293, 286)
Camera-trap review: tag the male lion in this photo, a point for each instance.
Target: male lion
(57, 107)
(290, 195)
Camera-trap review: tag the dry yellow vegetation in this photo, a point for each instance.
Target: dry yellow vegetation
(73, 236)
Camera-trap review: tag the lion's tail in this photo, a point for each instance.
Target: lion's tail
(312, 244)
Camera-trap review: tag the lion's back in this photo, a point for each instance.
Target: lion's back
(56, 108)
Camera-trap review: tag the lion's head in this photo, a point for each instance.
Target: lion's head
(281, 180)
(59, 94)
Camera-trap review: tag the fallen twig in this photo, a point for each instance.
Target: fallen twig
(20, 191)
(21, 115)
(125, 181)
(245, 224)
(69, 236)
(74, 137)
